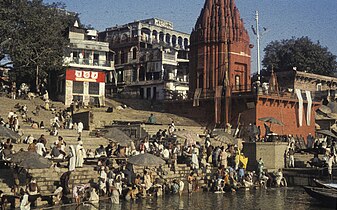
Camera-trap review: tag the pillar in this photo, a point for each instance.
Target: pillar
(150, 39)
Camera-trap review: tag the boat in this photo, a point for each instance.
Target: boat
(326, 196)
(323, 184)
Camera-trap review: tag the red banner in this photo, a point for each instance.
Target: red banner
(85, 76)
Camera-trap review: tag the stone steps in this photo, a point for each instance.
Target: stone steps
(153, 129)
(182, 172)
(48, 178)
(70, 137)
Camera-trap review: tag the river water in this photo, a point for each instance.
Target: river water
(282, 198)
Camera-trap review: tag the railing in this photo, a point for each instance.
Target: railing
(241, 88)
(91, 62)
(169, 57)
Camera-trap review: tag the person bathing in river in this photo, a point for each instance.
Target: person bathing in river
(181, 187)
(114, 194)
(190, 180)
(147, 181)
(279, 178)
(78, 191)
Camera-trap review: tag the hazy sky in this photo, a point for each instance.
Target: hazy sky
(284, 19)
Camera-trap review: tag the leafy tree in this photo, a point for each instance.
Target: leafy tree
(38, 37)
(301, 53)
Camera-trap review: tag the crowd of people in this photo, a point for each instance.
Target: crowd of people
(117, 180)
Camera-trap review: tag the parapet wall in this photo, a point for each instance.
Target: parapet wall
(48, 179)
(272, 154)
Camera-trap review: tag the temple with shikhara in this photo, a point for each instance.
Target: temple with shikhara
(219, 57)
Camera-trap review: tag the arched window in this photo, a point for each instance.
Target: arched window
(161, 36)
(185, 43)
(174, 40)
(134, 53)
(154, 36)
(124, 38)
(180, 41)
(319, 87)
(168, 39)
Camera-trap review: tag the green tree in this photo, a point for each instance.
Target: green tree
(301, 53)
(38, 37)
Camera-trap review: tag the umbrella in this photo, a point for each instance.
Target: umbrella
(271, 120)
(117, 136)
(325, 109)
(225, 138)
(327, 133)
(332, 115)
(30, 160)
(146, 159)
(189, 135)
(8, 133)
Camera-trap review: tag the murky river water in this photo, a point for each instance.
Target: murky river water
(286, 198)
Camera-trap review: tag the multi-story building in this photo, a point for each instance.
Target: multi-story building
(88, 65)
(151, 59)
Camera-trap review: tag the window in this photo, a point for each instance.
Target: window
(77, 87)
(134, 53)
(319, 87)
(148, 93)
(93, 88)
(123, 57)
(142, 74)
(134, 75)
(120, 76)
(96, 59)
(237, 82)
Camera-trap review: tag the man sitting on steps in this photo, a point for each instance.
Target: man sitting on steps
(151, 119)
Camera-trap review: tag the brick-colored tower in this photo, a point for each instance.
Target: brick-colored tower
(220, 55)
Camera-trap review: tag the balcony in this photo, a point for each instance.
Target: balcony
(92, 63)
(241, 88)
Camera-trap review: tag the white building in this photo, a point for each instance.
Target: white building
(88, 66)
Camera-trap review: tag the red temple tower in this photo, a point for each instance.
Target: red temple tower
(219, 56)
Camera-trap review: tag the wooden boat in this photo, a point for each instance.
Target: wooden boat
(326, 196)
(323, 184)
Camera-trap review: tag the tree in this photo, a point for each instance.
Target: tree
(301, 53)
(38, 34)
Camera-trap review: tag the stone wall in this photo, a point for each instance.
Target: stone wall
(204, 113)
(285, 109)
(272, 154)
(48, 179)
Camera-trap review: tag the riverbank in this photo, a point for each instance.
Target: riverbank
(49, 179)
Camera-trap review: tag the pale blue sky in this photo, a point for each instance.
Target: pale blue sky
(284, 19)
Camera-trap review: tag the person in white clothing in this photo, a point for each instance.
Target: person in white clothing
(46, 96)
(166, 154)
(25, 204)
(72, 158)
(181, 187)
(80, 154)
(195, 154)
(102, 181)
(40, 148)
(94, 197)
(79, 129)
